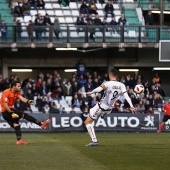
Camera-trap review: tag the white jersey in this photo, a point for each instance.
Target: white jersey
(113, 89)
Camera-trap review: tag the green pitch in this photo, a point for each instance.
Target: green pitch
(117, 151)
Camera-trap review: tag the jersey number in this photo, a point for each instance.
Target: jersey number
(115, 95)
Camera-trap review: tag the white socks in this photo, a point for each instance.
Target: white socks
(91, 132)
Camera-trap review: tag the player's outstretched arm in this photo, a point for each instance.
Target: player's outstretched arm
(96, 90)
(31, 102)
(132, 108)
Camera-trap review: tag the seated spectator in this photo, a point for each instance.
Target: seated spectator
(109, 9)
(123, 22)
(84, 8)
(89, 85)
(150, 111)
(75, 101)
(104, 22)
(3, 30)
(54, 109)
(113, 23)
(140, 107)
(158, 101)
(97, 20)
(19, 105)
(33, 3)
(149, 20)
(18, 29)
(43, 89)
(38, 102)
(26, 8)
(63, 111)
(72, 111)
(47, 20)
(64, 2)
(67, 89)
(92, 8)
(29, 95)
(57, 93)
(13, 4)
(147, 105)
(6, 84)
(46, 109)
(80, 21)
(93, 102)
(18, 12)
(56, 27)
(40, 4)
(159, 89)
(88, 19)
(82, 81)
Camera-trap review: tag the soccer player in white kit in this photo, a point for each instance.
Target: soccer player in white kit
(112, 90)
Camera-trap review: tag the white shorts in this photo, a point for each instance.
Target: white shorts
(96, 112)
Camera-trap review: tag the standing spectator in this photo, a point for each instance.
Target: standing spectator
(39, 29)
(81, 68)
(156, 78)
(26, 8)
(40, 4)
(92, 8)
(29, 29)
(84, 8)
(56, 27)
(18, 29)
(14, 3)
(91, 30)
(149, 20)
(3, 29)
(47, 20)
(33, 3)
(109, 9)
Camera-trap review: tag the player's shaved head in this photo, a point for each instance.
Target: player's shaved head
(114, 72)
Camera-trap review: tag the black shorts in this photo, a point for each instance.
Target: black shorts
(166, 118)
(8, 117)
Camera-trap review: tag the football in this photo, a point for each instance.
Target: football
(139, 89)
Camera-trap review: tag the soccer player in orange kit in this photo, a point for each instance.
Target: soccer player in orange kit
(11, 115)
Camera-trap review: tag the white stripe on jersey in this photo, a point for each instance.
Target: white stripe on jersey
(112, 92)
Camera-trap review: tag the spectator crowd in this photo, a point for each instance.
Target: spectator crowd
(51, 87)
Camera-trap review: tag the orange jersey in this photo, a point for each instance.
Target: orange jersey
(9, 97)
(167, 109)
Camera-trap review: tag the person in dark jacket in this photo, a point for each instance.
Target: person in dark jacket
(56, 27)
(40, 3)
(3, 29)
(47, 20)
(109, 9)
(113, 24)
(18, 11)
(84, 8)
(149, 20)
(18, 29)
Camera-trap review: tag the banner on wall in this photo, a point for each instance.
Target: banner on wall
(114, 122)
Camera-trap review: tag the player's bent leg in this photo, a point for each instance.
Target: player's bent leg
(90, 129)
